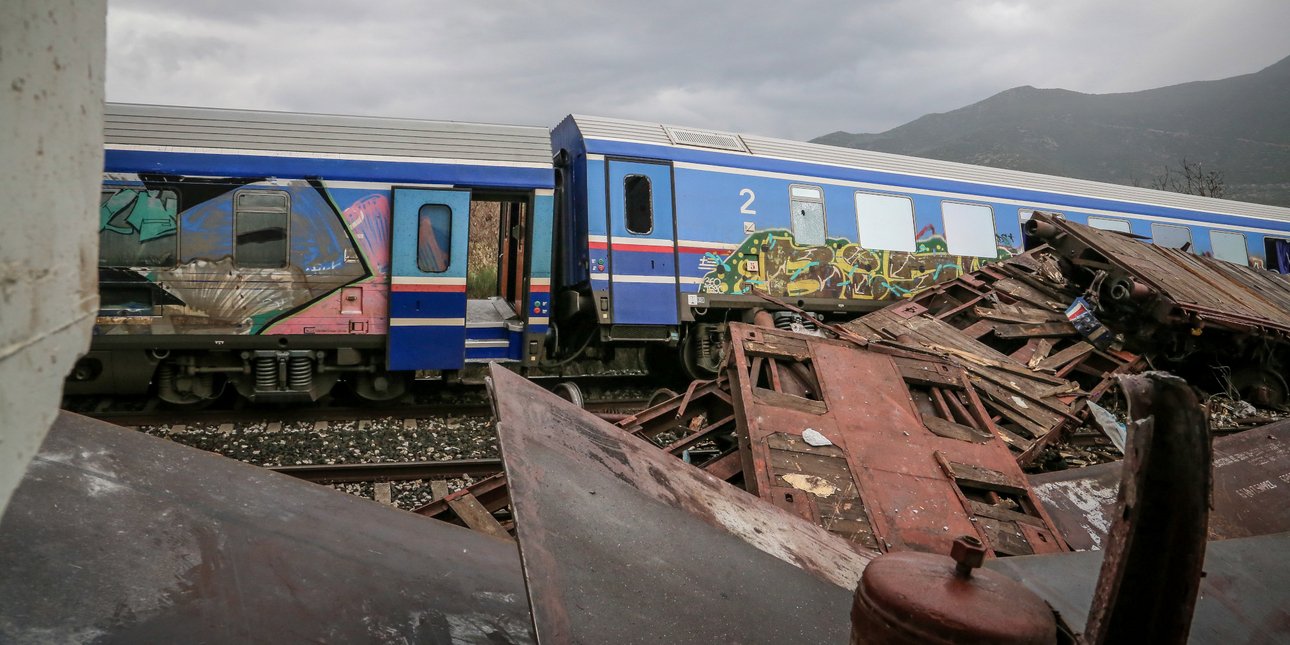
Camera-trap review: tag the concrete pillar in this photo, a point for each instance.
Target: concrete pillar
(51, 162)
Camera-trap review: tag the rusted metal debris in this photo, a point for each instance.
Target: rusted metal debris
(621, 540)
(1250, 470)
(887, 448)
(115, 536)
(1006, 325)
(1155, 548)
(1194, 312)
(1243, 597)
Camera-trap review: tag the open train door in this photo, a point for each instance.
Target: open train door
(642, 243)
(428, 279)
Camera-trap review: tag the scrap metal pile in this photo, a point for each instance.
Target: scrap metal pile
(811, 493)
(911, 427)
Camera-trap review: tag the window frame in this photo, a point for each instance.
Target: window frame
(1191, 242)
(1245, 243)
(824, 211)
(994, 227)
(627, 203)
(1121, 220)
(286, 232)
(913, 221)
(107, 191)
(421, 221)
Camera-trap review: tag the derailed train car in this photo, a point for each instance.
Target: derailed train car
(682, 226)
(281, 253)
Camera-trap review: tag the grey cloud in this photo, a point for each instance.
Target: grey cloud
(794, 70)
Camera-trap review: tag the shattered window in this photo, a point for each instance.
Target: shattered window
(969, 229)
(806, 204)
(1229, 247)
(1110, 224)
(434, 238)
(1168, 235)
(886, 222)
(137, 227)
(260, 228)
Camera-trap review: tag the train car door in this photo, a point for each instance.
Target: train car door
(428, 279)
(642, 249)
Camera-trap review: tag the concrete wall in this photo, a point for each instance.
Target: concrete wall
(51, 158)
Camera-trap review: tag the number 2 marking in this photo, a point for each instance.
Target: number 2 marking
(751, 196)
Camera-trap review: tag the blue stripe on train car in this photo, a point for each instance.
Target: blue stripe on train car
(444, 350)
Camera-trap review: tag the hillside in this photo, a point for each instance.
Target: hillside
(1240, 125)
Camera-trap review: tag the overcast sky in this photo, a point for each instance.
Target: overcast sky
(788, 69)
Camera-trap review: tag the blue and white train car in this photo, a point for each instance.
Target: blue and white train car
(279, 253)
(664, 232)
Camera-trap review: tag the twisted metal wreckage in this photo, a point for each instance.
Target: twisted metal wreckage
(863, 481)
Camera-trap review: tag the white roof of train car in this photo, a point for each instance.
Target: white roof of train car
(162, 127)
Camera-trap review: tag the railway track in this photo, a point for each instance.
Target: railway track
(460, 401)
(392, 471)
(405, 453)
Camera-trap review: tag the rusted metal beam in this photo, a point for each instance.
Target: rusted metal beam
(1155, 550)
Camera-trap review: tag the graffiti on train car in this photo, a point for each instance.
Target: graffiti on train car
(207, 262)
(771, 261)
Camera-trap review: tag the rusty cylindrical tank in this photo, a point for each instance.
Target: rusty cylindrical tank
(927, 599)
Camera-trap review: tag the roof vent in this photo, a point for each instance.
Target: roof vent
(705, 139)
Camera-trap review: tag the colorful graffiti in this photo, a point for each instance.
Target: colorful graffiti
(196, 285)
(137, 227)
(772, 262)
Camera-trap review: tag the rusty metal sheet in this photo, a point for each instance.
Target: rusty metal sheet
(1251, 490)
(115, 536)
(622, 542)
(885, 448)
(1243, 597)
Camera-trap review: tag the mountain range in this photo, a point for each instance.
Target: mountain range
(1239, 126)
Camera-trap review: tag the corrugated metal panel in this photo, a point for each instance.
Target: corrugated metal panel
(185, 127)
(604, 128)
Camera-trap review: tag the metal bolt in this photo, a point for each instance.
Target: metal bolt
(968, 553)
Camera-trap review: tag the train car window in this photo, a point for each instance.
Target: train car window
(806, 206)
(1168, 235)
(138, 227)
(969, 229)
(434, 238)
(1110, 224)
(639, 204)
(886, 222)
(260, 228)
(1229, 247)
(1024, 214)
(1277, 252)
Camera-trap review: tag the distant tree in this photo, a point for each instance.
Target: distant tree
(1189, 178)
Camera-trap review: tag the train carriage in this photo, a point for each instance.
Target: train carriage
(279, 253)
(670, 231)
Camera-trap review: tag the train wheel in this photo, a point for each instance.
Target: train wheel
(569, 392)
(380, 386)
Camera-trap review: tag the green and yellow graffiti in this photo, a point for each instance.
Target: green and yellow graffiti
(772, 262)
